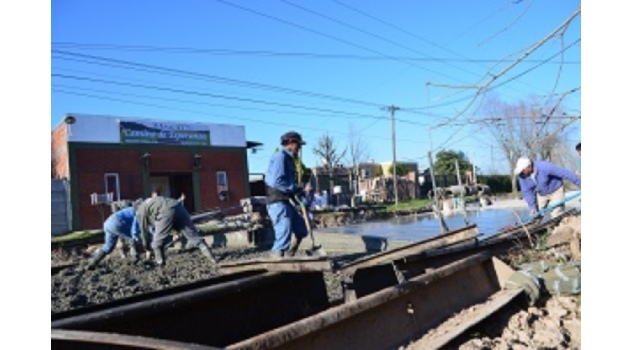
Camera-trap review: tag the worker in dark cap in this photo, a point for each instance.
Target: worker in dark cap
(281, 189)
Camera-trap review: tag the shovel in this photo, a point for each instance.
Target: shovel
(316, 249)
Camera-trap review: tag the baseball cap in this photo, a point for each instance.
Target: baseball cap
(521, 164)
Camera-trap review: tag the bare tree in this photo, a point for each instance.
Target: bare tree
(526, 128)
(359, 153)
(327, 151)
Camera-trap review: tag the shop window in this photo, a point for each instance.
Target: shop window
(112, 185)
(222, 185)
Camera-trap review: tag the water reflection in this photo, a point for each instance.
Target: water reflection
(422, 226)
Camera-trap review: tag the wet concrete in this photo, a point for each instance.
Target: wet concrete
(489, 220)
(422, 226)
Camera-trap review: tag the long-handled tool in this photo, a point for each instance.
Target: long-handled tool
(316, 249)
(551, 207)
(537, 215)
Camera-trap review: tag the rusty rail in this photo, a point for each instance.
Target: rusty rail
(68, 340)
(466, 233)
(217, 314)
(295, 264)
(394, 316)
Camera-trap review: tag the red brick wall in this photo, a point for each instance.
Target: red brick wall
(92, 164)
(59, 153)
(168, 161)
(234, 164)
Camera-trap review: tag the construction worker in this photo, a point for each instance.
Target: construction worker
(120, 224)
(166, 214)
(542, 183)
(281, 189)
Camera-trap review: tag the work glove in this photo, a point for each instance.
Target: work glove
(535, 217)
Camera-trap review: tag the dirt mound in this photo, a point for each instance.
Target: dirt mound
(555, 321)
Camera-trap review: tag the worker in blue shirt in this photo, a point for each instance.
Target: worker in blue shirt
(281, 189)
(120, 224)
(542, 183)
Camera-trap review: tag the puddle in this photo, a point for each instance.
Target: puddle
(421, 226)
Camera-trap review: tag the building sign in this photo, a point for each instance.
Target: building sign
(165, 133)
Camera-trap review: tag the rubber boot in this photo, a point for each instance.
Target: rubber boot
(294, 248)
(120, 248)
(133, 252)
(159, 255)
(96, 258)
(206, 251)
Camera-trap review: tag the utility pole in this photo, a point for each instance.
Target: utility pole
(444, 226)
(392, 109)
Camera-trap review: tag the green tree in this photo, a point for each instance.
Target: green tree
(401, 169)
(445, 164)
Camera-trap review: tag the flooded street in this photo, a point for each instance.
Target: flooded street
(489, 220)
(422, 226)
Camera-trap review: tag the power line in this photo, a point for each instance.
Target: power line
(276, 111)
(267, 53)
(218, 78)
(350, 114)
(347, 42)
(218, 96)
(266, 122)
(371, 35)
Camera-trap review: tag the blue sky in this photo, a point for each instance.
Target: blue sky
(316, 67)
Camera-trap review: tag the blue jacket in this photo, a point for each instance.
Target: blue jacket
(281, 172)
(122, 224)
(548, 178)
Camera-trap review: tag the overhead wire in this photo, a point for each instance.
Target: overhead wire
(266, 122)
(267, 53)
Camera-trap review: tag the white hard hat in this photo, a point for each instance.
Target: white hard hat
(521, 164)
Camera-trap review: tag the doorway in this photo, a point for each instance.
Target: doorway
(173, 185)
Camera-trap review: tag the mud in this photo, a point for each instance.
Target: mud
(116, 278)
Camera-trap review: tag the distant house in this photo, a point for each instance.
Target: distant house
(109, 158)
(373, 182)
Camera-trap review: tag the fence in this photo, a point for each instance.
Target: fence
(61, 218)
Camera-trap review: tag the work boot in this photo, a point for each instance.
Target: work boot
(294, 247)
(133, 252)
(206, 251)
(159, 256)
(120, 248)
(96, 258)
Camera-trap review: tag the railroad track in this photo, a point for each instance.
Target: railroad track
(392, 299)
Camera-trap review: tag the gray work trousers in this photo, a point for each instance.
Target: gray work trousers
(178, 219)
